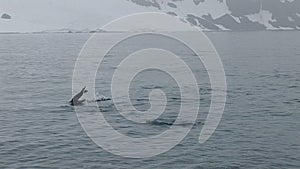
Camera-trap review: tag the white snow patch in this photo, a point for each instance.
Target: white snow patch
(222, 27)
(237, 19)
(284, 1)
(263, 18)
(285, 28)
(291, 19)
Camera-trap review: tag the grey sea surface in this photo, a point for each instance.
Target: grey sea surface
(259, 129)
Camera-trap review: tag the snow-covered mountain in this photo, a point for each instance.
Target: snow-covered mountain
(82, 15)
(236, 15)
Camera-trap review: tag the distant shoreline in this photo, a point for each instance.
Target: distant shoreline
(92, 32)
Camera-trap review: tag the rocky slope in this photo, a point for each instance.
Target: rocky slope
(235, 15)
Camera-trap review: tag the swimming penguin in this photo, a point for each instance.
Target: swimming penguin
(75, 100)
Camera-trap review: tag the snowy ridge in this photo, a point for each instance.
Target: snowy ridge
(211, 15)
(236, 15)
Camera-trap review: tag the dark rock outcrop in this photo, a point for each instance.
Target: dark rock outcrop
(147, 3)
(197, 2)
(5, 16)
(172, 13)
(172, 5)
(194, 20)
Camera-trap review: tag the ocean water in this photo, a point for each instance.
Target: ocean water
(259, 129)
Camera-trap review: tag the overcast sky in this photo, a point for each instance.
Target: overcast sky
(35, 15)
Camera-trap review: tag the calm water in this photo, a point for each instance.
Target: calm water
(259, 129)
